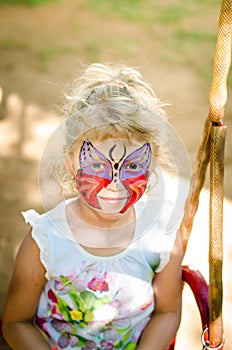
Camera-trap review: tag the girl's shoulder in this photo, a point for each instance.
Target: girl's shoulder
(156, 231)
(32, 216)
(50, 233)
(52, 221)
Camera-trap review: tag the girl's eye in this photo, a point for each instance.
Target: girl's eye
(99, 166)
(133, 167)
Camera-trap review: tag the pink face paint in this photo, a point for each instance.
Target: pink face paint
(98, 172)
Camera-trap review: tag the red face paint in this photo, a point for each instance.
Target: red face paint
(89, 186)
(136, 187)
(98, 172)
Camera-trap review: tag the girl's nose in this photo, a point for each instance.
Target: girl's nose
(115, 185)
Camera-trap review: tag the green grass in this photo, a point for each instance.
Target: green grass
(25, 2)
(12, 43)
(48, 52)
(194, 36)
(44, 54)
(229, 82)
(149, 10)
(164, 23)
(191, 44)
(128, 9)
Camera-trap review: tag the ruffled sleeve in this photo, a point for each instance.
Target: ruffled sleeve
(39, 234)
(166, 247)
(157, 242)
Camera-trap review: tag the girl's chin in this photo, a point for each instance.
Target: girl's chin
(111, 205)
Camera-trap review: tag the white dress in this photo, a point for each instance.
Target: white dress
(95, 302)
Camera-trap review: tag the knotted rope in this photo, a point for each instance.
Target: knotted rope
(212, 149)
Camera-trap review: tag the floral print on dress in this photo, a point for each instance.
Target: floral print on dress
(84, 314)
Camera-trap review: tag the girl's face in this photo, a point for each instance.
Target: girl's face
(112, 175)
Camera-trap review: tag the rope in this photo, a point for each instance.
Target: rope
(216, 242)
(217, 100)
(222, 58)
(212, 149)
(197, 182)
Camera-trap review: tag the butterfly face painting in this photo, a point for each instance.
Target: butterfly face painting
(113, 176)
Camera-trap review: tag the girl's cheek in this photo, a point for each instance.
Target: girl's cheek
(136, 188)
(89, 186)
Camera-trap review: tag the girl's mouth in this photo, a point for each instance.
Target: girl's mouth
(113, 198)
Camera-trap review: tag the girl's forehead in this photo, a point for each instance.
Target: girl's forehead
(116, 147)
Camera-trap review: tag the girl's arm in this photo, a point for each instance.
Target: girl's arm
(164, 324)
(22, 299)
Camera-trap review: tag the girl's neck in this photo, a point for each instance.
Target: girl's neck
(99, 219)
(96, 231)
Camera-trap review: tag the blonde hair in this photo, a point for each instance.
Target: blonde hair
(114, 101)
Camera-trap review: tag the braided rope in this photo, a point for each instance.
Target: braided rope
(216, 238)
(212, 149)
(222, 58)
(197, 182)
(217, 99)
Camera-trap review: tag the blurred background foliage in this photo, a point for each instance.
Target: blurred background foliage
(190, 41)
(24, 2)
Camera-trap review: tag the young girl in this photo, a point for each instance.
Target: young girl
(102, 270)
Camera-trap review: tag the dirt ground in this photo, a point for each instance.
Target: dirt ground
(42, 48)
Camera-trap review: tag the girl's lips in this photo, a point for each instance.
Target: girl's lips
(113, 199)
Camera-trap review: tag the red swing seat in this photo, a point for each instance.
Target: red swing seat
(199, 288)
